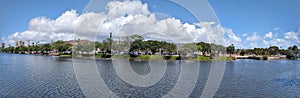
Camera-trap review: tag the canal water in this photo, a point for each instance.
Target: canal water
(45, 76)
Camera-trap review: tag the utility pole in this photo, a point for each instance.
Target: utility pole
(110, 35)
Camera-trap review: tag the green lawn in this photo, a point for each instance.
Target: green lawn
(64, 55)
(203, 58)
(150, 57)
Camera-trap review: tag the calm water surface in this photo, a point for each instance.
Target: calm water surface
(41, 76)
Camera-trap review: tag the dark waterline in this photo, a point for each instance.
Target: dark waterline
(42, 76)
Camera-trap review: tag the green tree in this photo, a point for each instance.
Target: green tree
(188, 48)
(217, 50)
(292, 52)
(136, 42)
(230, 49)
(169, 47)
(258, 51)
(291, 55)
(9, 49)
(295, 49)
(67, 47)
(137, 45)
(98, 45)
(37, 48)
(20, 49)
(243, 52)
(283, 51)
(23, 49)
(85, 46)
(273, 50)
(46, 48)
(31, 48)
(61, 46)
(204, 47)
(199, 47)
(17, 50)
(153, 45)
(107, 45)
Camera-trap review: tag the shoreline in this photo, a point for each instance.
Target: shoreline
(261, 57)
(159, 57)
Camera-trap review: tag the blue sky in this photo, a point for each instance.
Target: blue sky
(261, 16)
(16, 14)
(244, 17)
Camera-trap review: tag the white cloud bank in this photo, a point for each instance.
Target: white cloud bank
(289, 39)
(121, 18)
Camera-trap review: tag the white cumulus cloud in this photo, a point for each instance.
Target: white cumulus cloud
(289, 39)
(293, 36)
(254, 37)
(118, 8)
(269, 35)
(245, 34)
(65, 23)
(277, 28)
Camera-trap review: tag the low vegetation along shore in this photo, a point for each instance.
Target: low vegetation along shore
(135, 47)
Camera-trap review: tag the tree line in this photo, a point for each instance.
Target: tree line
(133, 44)
(137, 45)
(58, 46)
(291, 52)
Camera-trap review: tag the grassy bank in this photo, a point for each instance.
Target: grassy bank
(150, 57)
(102, 55)
(65, 55)
(203, 58)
